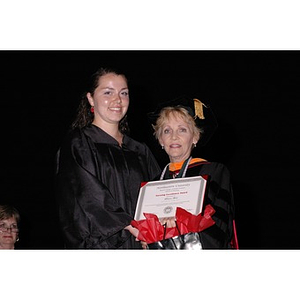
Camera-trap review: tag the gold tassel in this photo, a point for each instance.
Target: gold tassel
(199, 109)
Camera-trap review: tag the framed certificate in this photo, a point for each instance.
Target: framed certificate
(164, 196)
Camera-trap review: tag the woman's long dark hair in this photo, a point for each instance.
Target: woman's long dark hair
(84, 115)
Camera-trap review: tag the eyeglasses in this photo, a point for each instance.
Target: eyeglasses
(13, 228)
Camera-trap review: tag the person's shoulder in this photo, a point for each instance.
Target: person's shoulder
(215, 167)
(74, 137)
(216, 164)
(72, 134)
(134, 144)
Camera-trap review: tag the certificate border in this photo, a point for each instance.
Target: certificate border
(139, 214)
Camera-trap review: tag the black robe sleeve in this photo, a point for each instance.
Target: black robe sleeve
(220, 196)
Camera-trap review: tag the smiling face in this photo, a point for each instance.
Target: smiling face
(177, 137)
(7, 236)
(110, 100)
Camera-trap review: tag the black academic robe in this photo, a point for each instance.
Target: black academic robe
(220, 196)
(97, 186)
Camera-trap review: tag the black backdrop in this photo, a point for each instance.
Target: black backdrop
(255, 95)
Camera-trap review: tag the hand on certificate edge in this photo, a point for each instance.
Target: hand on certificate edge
(134, 231)
(168, 222)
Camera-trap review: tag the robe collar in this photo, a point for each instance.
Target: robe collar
(98, 135)
(175, 167)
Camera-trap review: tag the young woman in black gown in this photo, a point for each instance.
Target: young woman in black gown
(100, 169)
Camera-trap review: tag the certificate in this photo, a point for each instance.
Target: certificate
(164, 196)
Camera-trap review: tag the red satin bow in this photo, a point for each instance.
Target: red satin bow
(151, 230)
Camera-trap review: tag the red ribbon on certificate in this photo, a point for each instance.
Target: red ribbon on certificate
(151, 230)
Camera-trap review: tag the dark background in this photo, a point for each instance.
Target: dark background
(254, 94)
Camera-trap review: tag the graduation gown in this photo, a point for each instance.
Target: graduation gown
(220, 196)
(97, 186)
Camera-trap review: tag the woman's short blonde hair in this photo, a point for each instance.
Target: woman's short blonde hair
(177, 111)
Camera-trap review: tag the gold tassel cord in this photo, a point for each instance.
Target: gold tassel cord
(199, 109)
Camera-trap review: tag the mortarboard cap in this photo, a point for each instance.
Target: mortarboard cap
(202, 114)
